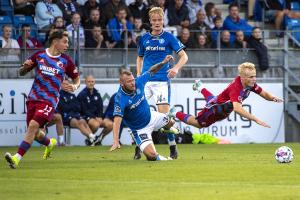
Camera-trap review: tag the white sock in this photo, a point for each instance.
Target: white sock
(91, 136)
(60, 139)
(18, 156)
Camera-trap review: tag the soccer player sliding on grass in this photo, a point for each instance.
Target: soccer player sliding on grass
(219, 107)
(132, 108)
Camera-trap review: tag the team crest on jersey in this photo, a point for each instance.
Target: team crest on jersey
(75, 71)
(130, 102)
(161, 41)
(138, 91)
(117, 109)
(60, 64)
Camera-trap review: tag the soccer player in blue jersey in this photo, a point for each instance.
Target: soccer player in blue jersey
(51, 66)
(152, 48)
(132, 108)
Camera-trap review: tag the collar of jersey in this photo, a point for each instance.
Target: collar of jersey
(47, 52)
(157, 35)
(129, 94)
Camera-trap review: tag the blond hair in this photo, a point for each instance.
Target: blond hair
(125, 72)
(156, 10)
(245, 66)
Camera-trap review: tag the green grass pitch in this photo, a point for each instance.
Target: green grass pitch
(239, 171)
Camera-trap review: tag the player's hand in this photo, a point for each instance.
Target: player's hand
(172, 72)
(278, 100)
(68, 87)
(167, 59)
(262, 123)
(115, 146)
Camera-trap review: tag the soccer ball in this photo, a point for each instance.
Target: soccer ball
(284, 154)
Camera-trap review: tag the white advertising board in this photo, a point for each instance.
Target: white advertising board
(234, 128)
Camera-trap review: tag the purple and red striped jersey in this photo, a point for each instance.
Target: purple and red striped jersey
(49, 74)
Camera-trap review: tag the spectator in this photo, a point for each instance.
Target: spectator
(202, 42)
(73, 29)
(97, 38)
(87, 7)
(178, 14)
(24, 7)
(12, 46)
(194, 6)
(26, 40)
(58, 23)
(211, 13)
(199, 26)
(138, 9)
(117, 25)
(111, 8)
(68, 8)
(185, 38)
(260, 49)
(239, 42)
(130, 41)
(233, 22)
(91, 104)
(94, 19)
(224, 40)
(69, 108)
(45, 12)
(217, 29)
(139, 28)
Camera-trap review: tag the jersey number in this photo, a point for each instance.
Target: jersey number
(46, 110)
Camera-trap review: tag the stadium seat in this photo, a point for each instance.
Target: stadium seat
(22, 19)
(295, 6)
(5, 3)
(5, 20)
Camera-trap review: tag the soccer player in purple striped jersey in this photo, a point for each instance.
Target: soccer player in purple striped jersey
(51, 66)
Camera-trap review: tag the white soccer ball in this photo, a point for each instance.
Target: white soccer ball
(284, 154)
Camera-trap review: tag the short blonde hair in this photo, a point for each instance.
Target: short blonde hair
(156, 10)
(244, 66)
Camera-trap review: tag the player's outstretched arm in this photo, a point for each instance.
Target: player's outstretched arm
(25, 67)
(116, 130)
(237, 107)
(139, 64)
(269, 97)
(155, 68)
(183, 58)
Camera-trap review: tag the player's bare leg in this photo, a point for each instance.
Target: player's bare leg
(165, 108)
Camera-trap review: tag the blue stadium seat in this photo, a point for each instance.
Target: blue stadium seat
(5, 20)
(22, 19)
(295, 6)
(8, 10)
(5, 3)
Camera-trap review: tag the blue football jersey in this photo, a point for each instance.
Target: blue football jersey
(154, 48)
(134, 108)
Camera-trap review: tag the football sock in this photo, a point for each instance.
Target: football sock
(91, 136)
(44, 141)
(60, 139)
(207, 94)
(23, 148)
(171, 139)
(182, 116)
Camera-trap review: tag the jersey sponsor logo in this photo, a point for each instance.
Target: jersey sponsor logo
(155, 48)
(48, 70)
(137, 103)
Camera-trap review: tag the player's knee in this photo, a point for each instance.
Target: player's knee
(170, 124)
